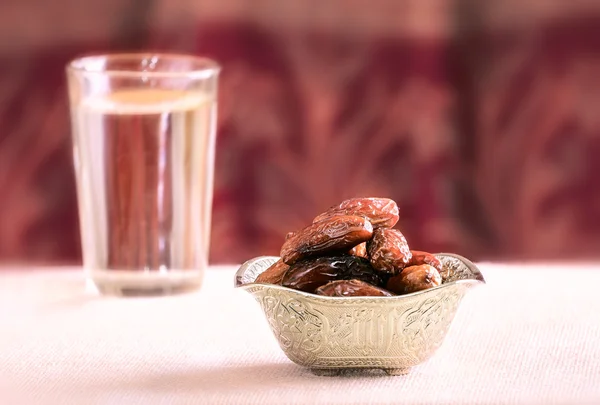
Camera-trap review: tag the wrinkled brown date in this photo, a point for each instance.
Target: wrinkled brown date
(414, 278)
(381, 212)
(359, 250)
(309, 274)
(388, 251)
(334, 234)
(418, 258)
(274, 274)
(351, 288)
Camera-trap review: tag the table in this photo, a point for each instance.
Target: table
(531, 335)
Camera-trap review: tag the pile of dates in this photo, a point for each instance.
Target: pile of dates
(352, 250)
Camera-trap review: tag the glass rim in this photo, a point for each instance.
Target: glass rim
(202, 67)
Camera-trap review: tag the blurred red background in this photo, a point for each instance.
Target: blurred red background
(481, 118)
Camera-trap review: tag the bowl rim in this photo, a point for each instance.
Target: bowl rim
(471, 282)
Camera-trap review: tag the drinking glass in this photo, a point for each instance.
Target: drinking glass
(143, 129)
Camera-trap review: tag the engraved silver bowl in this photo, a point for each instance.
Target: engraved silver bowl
(330, 334)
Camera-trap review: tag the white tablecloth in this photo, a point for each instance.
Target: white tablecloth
(532, 335)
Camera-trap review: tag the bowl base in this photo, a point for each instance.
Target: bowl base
(333, 372)
(326, 372)
(396, 371)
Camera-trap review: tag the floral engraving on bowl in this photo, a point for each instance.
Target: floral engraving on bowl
(334, 335)
(455, 269)
(252, 268)
(423, 328)
(296, 324)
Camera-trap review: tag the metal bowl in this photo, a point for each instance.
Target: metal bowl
(330, 334)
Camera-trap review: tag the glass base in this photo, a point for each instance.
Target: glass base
(145, 283)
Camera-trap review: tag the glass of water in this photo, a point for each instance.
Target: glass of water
(143, 146)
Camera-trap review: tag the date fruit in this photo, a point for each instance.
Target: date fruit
(351, 288)
(334, 234)
(274, 274)
(414, 278)
(388, 251)
(419, 257)
(359, 250)
(310, 274)
(381, 212)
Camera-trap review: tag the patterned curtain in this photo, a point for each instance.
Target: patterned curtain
(481, 119)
